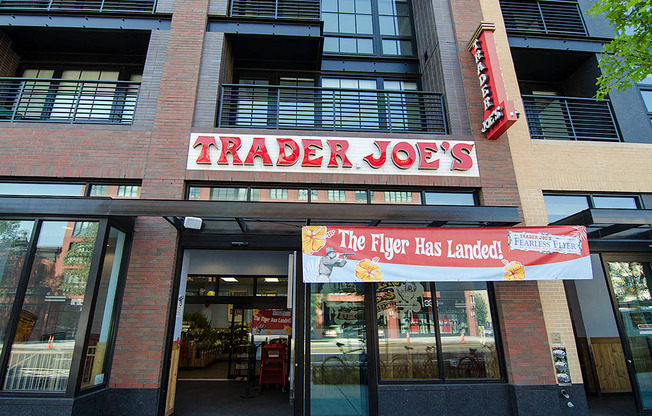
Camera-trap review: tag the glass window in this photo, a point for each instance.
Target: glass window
(561, 206)
(338, 350)
(228, 194)
(14, 241)
(647, 98)
(467, 331)
(42, 352)
(42, 189)
(236, 286)
(336, 195)
(350, 27)
(272, 286)
(95, 363)
(622, 202)
(99, 190)
(406, 331)
(194, 193)
(115, 191)
(128, 191)
(449, 198)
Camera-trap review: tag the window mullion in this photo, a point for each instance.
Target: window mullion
(435, 308)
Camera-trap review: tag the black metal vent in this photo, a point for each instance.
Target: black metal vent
(277, 9)
(130, 6)
(279, 107)
(565, 118)
(543, 17)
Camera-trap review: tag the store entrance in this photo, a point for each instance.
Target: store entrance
(236, 334)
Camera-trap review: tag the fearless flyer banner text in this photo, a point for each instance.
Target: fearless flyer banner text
(369, 254)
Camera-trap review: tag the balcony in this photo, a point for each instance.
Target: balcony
(307, 108)
(129, 6)
(67, 101)
(557, 18)
(276, 9)
(566, 118)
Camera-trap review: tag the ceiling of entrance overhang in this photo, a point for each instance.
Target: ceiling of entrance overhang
(613, 224)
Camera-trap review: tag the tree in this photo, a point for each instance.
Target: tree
(481, 310)
(628, 57)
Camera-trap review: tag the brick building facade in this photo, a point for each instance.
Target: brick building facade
(101, 110)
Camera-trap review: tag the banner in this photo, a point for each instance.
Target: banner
(271, 322)
(376, 254)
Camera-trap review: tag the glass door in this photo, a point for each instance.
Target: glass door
(630, 285)
(339, 381)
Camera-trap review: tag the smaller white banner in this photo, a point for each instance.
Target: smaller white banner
(348, 155)
(545, 243)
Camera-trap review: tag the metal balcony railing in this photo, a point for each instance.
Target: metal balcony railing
(543, 17)
(566, 118)
(130, 6)
(307, 108)
(67, 101)
(277, 9)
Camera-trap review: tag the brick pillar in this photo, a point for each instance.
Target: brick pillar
(140, 343)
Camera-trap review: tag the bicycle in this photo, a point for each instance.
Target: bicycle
(344, 370)
(470, 366)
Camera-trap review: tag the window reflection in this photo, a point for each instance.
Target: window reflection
(467, 331)
(94, 364)
(42, 352)
(338, 352)
(14, 240)
(406, 331)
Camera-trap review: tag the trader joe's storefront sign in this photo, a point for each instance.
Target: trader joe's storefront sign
(373, 254)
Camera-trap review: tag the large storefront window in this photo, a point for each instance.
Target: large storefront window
(42, 350)
(45, 303)
(408, 333)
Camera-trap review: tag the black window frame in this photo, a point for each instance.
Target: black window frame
(311, 191)
(590, 195)
(493, 310)
(376, 37)
(84, 325)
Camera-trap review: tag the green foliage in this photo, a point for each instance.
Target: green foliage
(481, 309)
(78, 261)
(628, 57)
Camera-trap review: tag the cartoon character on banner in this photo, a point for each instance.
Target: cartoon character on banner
(326, 264)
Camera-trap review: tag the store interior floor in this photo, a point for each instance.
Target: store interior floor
(223, 398)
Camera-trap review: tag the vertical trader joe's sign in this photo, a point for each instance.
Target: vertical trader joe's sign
(499, 112)
(387, 254)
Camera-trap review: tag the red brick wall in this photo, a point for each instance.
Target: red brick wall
(141, 337)
(527, 352)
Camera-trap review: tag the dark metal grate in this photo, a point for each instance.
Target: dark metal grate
(277, 9)
(141, 6)
(67, 101)
(279, 107)
(544, 17)
(565, 118)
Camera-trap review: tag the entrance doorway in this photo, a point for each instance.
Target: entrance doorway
(235, 332)
(612, 319)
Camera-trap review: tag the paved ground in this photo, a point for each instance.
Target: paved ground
(208, 398)
(617, 405)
